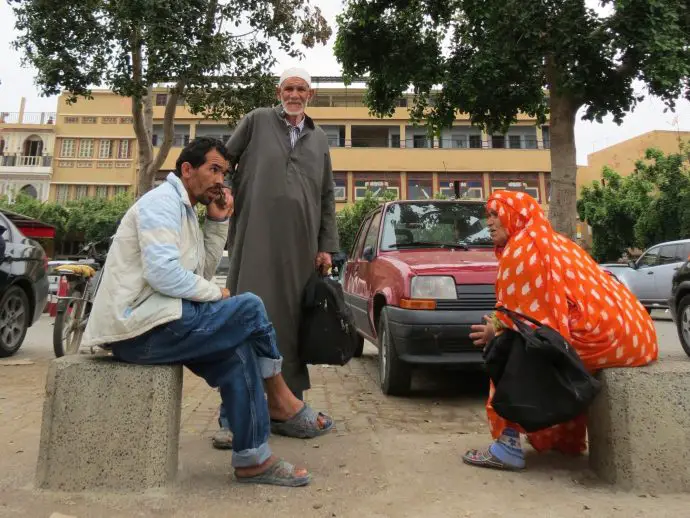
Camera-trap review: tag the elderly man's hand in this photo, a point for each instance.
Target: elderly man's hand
(223, 209)
(323, 261)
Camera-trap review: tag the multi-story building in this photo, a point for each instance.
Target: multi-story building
(27, 141)
(96, 149)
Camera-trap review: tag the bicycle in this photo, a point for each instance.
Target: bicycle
(73, 310)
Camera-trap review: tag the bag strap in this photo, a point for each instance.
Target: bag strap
(514, 315)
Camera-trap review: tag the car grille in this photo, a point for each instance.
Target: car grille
(471, 297)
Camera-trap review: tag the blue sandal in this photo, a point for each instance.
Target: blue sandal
(282, 473)
(303, 425)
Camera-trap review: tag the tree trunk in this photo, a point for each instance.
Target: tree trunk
(145, 178)
(563, 206)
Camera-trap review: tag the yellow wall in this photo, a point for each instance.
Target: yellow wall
(622, 157)
(394, 161)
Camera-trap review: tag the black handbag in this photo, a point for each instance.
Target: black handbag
(327, 334)
(539, 379)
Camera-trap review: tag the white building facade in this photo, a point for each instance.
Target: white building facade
(27, 141)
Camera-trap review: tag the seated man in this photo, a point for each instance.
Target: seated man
(157, 305)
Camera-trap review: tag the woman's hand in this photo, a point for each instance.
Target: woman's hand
(482, 334)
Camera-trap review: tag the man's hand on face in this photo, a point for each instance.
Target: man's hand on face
(215, 209)
(323, 261)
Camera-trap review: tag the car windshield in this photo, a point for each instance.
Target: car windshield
(435, 224)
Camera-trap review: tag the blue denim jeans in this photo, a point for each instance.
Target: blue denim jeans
(223, 416)
(232, 345)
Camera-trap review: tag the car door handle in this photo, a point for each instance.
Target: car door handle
(650, 273)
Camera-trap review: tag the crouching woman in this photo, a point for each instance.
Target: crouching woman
(546, 276)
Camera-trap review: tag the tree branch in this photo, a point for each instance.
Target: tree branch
(168, 125)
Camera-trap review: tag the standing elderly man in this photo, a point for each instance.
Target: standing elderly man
(284, 224)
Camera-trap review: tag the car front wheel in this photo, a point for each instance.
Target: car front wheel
(14, 320)
(395, 375)
(684, 323)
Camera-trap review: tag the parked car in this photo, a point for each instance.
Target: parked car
(679, 304)
(221, 274)
(651, 276)
(420, 273)
(23, 286)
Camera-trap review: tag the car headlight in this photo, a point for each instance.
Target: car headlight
(433, 287)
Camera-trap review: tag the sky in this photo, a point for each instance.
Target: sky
(589, 137)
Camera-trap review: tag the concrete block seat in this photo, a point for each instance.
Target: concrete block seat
(639, 427)
(109, 425)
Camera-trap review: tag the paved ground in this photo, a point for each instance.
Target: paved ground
(389, 456)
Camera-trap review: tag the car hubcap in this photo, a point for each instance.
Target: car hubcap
(685, 325)
(12, 321)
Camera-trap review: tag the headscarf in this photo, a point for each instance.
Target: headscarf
(532, 264)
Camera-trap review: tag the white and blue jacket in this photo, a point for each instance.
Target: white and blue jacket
(159, 256)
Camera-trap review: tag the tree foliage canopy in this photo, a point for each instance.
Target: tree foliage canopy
(92, 219)
(216, 54)
(495, 59)
(650, 206)
(350, 218)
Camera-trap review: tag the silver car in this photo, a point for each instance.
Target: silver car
(649, 278)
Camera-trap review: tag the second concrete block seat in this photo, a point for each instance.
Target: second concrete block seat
(109, 425)
(639, 427)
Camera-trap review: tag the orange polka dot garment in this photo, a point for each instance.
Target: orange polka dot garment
(550, 278)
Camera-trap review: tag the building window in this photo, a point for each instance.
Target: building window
(470, 188)
(395, 141)
(102, 191)
(528, 183)
(546, 137)
(2, 146)
(109, 120)
(82, 191)
(475, 141)
(120, 189)
(86, 148)
(377, 187)
(62, 193)
(126, 120)
(88, 120)
(422, 189)
(124, 150)
(104, 149)
(71, 120)
(340, 187)
(514, 142)
(458, 141)
(420, 141)
(498, 141)
(161, 99)
(67, 149)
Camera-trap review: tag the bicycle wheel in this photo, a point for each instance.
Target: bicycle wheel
(70, 322)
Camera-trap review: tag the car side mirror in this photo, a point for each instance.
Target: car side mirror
(368, 253)
(632, 265)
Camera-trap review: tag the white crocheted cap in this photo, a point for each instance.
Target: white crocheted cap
(295, 72)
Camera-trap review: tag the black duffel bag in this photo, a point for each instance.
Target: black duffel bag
(327, 334)
(539, 379)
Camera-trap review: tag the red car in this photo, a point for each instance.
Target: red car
(420, 273)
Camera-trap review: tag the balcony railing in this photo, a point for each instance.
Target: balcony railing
(178, 140)
(26, 161)
(27, 118)
(445, 143)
